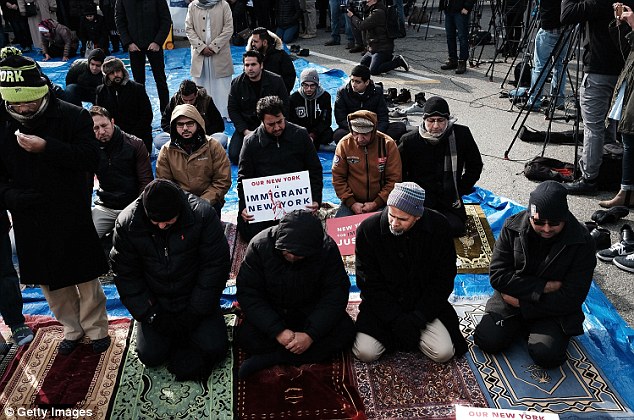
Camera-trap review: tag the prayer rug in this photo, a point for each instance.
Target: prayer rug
(237, 249)
(153, 393)
(410, 385)
(475, 248)
(38, 377)
(577, 389)
(311, 391)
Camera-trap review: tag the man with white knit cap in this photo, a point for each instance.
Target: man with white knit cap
(406, 264)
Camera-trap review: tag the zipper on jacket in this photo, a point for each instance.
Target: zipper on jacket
(278, 143)
(367, 174)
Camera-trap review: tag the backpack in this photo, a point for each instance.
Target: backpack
(543, 169)
(395, 28)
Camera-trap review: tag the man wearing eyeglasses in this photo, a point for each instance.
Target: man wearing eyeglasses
(311, 108)
(195, 161)
(444, 159)
(541, 271)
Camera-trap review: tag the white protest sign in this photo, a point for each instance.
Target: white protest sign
(471, 413)
(271, 197)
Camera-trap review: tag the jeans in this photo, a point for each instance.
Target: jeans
(157, 64)
(595, 99)
(379, 62)
(75, 94)
(287, 35)
(335, 19)
(627, 177)
(457, 23)
(10, 294)
(545, 43)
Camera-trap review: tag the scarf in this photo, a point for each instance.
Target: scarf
(206, 4)
(30, 121)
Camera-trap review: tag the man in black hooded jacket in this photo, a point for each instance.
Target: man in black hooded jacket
(311, 108)
(293, 289)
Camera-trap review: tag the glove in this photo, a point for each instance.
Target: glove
(19, 200)
(406, 329)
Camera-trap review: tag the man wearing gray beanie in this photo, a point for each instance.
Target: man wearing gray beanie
(406, 264)
(311, 108)
(541, 271)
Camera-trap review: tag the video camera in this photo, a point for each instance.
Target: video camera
(356, 6)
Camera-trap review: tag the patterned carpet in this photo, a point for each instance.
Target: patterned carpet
(39, 377)
(475, 248)
(153, 393)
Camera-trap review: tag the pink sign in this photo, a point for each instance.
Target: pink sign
(344, 231)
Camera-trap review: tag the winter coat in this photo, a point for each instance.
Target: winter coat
(182, 268)
(374, 28)
(398, 275)
(79, 73)
(9, 14)
(315, 114)
(243, 99)
(364, 174)
(272, 291)
(424, 163)
(600, 55)
(626, 123)
(206, 172)
(288, 13)
(56, 241)
(550, 14)
(129, 105)
(265, 155)
(205, 106)
(60, 37)
(349, 101)
(277, 61)
(142, 22)
(220, 21)
(45, 8)
(571, 260)
(124, 170)
(455, 6)
(95, 31)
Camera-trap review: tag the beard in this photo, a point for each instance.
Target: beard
(396, 233)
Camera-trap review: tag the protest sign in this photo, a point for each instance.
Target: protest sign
(271, 197)
(344, 231)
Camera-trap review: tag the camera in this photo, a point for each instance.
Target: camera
(356, 6)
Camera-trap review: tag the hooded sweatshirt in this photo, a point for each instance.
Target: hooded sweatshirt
(313, 113)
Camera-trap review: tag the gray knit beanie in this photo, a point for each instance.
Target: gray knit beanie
(408, 197)
(309, 75)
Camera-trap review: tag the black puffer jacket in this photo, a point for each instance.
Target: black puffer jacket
(272, 290)
(288, 13)
(374, 28)
(124, 170)
(277, 61)
(349, 101)
(183, 267)
(142, 22)
(79, 73)
(571, 260)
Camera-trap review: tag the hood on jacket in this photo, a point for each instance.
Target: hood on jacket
(277, 41)
(368, 115)
(299, 233)
(189, 111)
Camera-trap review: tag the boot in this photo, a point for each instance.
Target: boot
(450, 64)
(622, 198)
(462, 67)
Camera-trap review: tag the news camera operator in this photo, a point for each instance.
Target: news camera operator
(380, 48)
(356, 6)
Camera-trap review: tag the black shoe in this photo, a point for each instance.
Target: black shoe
(601, 238)
(66, 347)
(450, 64)
(350, 45)
(331, 43)
(294, 48)
(403, 63)
(391, 94)
(420, 99)
(462, 67)
(610, 216)
(581, 186)
(626, 234)
(357, 49)
(403, 97)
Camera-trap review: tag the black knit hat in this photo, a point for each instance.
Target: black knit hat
(548, 202)
(97, 55)
(361, 71)
(21, 80)
(90, 8)
(436, 106)
(162, 200)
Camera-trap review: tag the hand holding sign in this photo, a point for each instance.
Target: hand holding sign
(271, 197)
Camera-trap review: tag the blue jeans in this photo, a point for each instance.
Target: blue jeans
(545, 43)
(595, 99)
(627, 177)
(379, 62)
(457, 23)
(288, 35)
(335, 19)
(10, 294)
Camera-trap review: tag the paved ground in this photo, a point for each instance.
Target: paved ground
(475, 101)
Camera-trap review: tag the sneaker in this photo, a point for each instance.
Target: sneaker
(415, 108)
(66, 347)
(450, 64)
(618, 249)
(581, 186)
(403, 63)
(332, 42)
(22, 335)
(625, 262)
(101, 345)
(397, 113)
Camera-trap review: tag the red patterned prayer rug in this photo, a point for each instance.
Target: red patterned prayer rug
(312, 391)
(237, 248)
(39, 378)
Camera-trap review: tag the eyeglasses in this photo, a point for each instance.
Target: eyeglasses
(20, 105)
(542, 222)
(309, 85)
(436, 120)
(188, 124)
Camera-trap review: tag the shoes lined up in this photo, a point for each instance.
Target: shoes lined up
(621, 253)
(417, 107)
